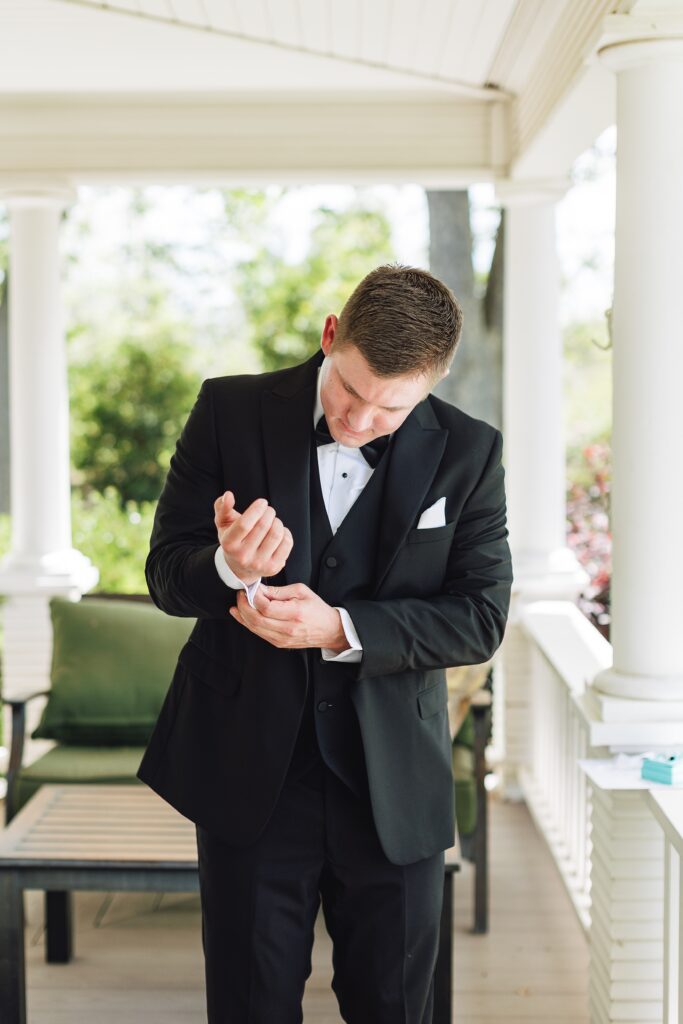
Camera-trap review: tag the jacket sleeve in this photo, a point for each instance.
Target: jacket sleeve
(465, 623)
(180, 569)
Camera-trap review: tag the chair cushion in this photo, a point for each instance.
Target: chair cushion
(465, 789)
(110, 765)
(112, 662)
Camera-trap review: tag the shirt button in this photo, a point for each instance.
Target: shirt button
(345, 475)
(330, 562)
(324, 705)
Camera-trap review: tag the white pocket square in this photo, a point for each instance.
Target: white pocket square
(433, 516)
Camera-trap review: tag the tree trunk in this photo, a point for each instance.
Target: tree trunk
(475, 383)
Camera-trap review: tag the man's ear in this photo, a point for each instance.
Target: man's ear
(328, 333)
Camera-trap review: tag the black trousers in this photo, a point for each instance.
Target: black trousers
(259, 905)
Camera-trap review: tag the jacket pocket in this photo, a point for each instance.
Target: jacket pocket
(433, 699)
(207, 669)
(431, 533)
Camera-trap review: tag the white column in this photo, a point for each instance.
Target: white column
(42, 560)
(532, 392)
(647, 434)
(533, 428)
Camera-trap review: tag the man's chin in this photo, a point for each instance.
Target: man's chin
(351, 440)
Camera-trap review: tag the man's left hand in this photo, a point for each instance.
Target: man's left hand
(292, 616)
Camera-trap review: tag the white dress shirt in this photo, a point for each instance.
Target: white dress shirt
(343, 475)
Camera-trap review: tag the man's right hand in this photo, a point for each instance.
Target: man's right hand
(255, 542)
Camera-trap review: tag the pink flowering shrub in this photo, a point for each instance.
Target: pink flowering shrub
(588, 526)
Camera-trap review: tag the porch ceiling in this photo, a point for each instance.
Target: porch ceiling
(444, 92)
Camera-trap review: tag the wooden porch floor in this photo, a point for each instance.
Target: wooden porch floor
(139, 957)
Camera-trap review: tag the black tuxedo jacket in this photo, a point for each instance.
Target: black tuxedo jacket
(222, 744)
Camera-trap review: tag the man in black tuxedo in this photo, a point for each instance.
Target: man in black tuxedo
(305, 730)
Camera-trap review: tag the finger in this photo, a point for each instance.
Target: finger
(271, 540)
(224, 500)
(261, 602)
(293, 591)
(248, 519)
(275, 639)
(270, 631)
(224, 509)
(281, 611)
(262, 622)
(250, 545)
(279, 557)
(244, 612)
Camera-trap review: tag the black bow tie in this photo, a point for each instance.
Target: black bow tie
(371, 452)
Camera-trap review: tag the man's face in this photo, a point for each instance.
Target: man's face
(358, 404)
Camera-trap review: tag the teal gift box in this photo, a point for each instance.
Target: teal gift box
(667, 768)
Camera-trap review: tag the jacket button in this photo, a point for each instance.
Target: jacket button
(323, 705)
(330, 561)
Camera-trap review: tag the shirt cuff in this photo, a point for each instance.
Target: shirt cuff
(231, 579)
(352, 653)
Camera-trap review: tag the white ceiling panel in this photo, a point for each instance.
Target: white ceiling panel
(406, 20)
(435, 24)
(386, 44)
(315, 21)
(485, 38)
(88, 48)
(345, 26)
(284, 21)
(375, 31)
(253, 17)
(222, 14)
(453, 55)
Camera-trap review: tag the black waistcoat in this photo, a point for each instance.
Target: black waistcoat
(342, 568)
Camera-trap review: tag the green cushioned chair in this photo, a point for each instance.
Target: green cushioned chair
(112, 662)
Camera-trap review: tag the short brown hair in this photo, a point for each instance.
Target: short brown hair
(403, 320)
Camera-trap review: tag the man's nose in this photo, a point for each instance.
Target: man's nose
(360, 419)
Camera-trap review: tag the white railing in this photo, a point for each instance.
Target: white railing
(605, 833)
(667, 808)
(566, 652)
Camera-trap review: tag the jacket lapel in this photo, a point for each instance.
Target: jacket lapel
(287, 412)
(415, 454)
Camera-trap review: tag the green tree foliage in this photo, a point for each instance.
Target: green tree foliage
(115, 539)
(286, 304)
(128, 406)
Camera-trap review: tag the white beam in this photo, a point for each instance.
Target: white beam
(211, 139)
